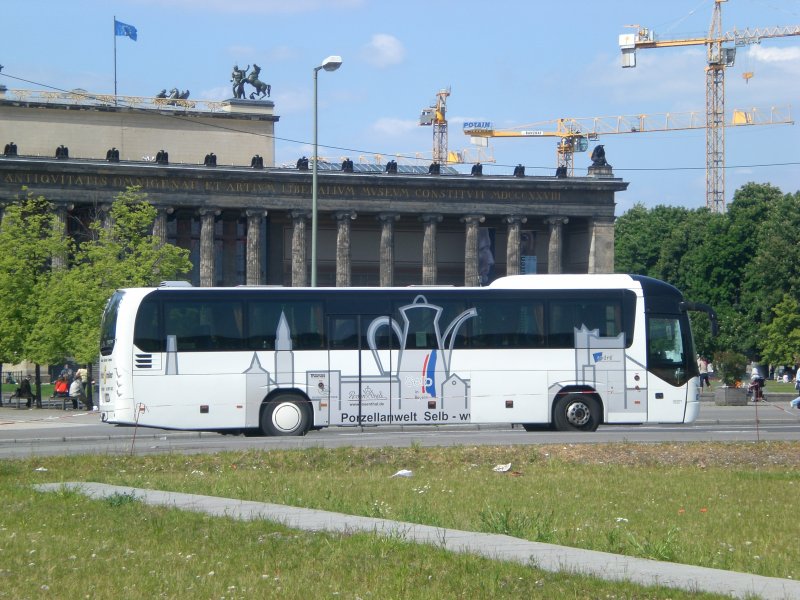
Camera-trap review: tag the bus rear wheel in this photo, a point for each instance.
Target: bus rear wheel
(285, 415)
(576, 412)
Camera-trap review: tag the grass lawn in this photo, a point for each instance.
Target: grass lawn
(715, 505)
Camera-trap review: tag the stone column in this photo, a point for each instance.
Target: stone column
(554, 248)
(601, 250)
(59, 261)
(343, 218)
(253, 249)
(429, 248)
(299, 267)
(105, 216)
(513, 266)
(160, 224)
(472, 277)
(207, 216)
(387, 248)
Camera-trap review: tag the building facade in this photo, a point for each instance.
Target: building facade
(248, 225)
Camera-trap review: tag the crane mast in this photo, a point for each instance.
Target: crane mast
(436, 115)
(719, 57)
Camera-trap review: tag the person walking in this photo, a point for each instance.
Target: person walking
(702, 366)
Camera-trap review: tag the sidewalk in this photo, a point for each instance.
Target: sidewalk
(548, 557)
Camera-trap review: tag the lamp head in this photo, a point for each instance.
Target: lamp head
(332, 63)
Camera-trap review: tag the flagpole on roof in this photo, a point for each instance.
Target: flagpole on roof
(115, 59)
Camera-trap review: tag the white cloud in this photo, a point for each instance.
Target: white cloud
(774, 55)
(290, 101)
(384, 50)
(392, 127)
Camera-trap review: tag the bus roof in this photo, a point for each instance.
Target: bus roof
(600, 281)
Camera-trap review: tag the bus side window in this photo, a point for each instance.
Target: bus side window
(262, 318)
(560, 326)
(147, 330)
(306, 325)
(342, 334)
(226, 325)
(531, 325)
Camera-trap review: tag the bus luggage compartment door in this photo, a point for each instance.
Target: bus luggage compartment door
(362, 385)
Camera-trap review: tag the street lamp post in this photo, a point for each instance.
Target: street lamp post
(329, 64)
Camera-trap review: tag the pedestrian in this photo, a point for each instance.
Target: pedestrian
(702, 366)
(756, 386)
(24, 391)
(66, 372)
(796, 402)
(76, 393)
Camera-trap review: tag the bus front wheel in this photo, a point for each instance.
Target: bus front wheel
(576, 412)
(285, 415)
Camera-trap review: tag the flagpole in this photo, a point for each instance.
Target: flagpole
(115, 59)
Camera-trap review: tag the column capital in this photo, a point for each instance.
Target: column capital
(472, 219)
(388, 217)
(515, 219)
(166, 209)
(255, 212)
(344, 215)
(207, 210)
(299, 215)
(430, 218)
(556, 220)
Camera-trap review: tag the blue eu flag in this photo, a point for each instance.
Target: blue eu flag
(124, 29)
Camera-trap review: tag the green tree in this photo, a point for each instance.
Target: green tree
(746, 215)
(122, 255)
(781, 337)
(775, 268)
(30, 236)
(639, 237)
(741, 262)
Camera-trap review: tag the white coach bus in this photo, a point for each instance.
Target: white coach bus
(566, 351)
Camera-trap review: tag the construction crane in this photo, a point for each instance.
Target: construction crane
(575, 133)
(719, 56)
(436, 115)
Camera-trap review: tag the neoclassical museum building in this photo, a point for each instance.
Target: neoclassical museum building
(200, 164)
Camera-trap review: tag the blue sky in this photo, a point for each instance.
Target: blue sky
(512, 62)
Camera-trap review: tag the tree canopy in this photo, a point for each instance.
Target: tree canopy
(745, 263)
(29, 240)
(63, 320)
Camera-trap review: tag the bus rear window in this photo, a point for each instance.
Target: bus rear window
(108, 326)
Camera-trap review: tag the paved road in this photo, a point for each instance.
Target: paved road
(55, 432)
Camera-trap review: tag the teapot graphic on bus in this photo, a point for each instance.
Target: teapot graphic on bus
(425, 353)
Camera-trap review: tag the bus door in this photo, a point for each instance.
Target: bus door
(360, 360)
(670, 365)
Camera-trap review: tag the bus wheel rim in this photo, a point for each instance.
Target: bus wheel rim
(578, 414)
(287, 417)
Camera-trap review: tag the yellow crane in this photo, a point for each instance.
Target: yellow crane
(575, 133)
(719, 56)
(436, 115)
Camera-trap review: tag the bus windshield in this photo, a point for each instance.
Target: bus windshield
(669, 348)
(108, 326)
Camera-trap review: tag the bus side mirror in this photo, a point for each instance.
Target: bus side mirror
(700, 307)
